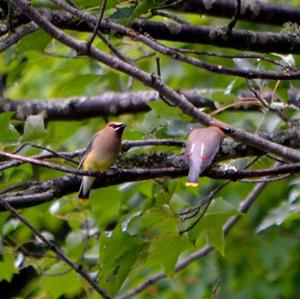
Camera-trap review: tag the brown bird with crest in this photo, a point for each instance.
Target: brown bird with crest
(101, 153)
(201, 148)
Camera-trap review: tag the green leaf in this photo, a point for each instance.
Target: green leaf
(167, 120)
(122, 14)
(220, 206)
(3, 221)
(117, 255)
(111, 3)
(163, 110)
(95, 3)
(10, 226)
(233, 86)
(36, 41)
(150, 124)
(8, 132)
(154, 222)
(105, 203)
(74, 245)
(143, 7)
(277, 216)
(73, 86)
(209, 230)
(61, 284)
(166, 249)
(34, 127)
(163, 191)
(7, 267)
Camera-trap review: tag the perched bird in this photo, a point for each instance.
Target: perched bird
(201, 148)
(100, 154)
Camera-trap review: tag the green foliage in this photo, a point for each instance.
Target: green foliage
(55, 284)
(117, 255)
(144, 6)
(37, 41)
(8, 132)
(209, 229)
(7, 264)
(108, 198)
(166, 249)
(129, 232)
(34, 127)
(287, 211)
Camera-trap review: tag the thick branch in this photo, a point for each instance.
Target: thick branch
(111, 103)
(162, 166)
(252, 11)
(264, 42)
(228, 150)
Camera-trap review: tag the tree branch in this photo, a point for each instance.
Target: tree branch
(156, 165)
(17, 35)
(264, 42)
(110, 103)
(251, 11)
(174, 54)
(228, 150)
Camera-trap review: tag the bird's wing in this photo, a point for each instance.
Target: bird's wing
(209, 151)
(204, 150)
(87, 150)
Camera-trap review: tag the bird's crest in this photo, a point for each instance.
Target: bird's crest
(117, 126)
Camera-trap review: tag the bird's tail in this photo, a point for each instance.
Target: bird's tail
(193, 176)
(85, 187)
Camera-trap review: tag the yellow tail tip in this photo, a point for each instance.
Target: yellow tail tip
(189, 184)
(83, 201)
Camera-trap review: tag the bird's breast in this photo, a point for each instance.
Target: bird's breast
(99, 160)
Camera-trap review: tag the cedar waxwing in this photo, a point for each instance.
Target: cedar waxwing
(101, 153)
(201, 147)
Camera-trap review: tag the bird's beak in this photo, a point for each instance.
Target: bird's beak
(120, 128)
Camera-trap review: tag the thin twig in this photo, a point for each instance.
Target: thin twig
(155, 12)
(216, 288)
(157, 59)
(261, 99)
(126, 145)
(54, 153)
(171, 4)
(233, 56)
(19, 186)
(97, 26)
(267, 179)
(236, 16)
(204, 201)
